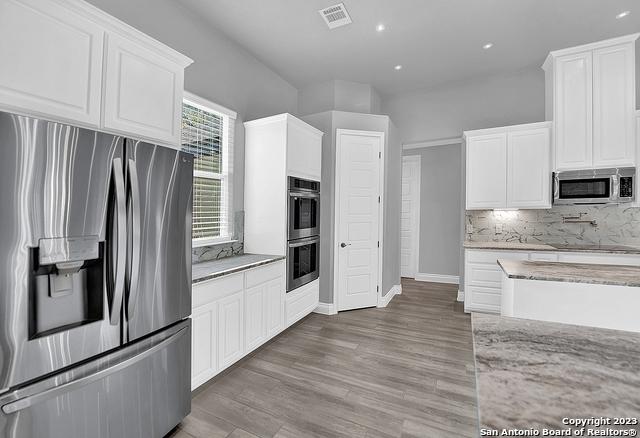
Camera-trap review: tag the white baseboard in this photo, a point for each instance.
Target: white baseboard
(460, 296)
(326, 309)
(385, 300)
(438, 278)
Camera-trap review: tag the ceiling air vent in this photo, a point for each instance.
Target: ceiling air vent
(335, 16)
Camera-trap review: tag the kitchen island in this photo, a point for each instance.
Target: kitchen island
(598, 295)
(532, 374)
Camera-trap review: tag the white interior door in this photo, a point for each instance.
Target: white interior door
(410, 216)
(357, 217)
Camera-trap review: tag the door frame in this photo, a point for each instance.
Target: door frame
(336, 203)
(415, 232)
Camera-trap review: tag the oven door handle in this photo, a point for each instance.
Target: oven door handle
(310, 195)
(303, 242)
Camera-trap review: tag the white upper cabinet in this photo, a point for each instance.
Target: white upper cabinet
(51, 62)
(509, 167)
(143, 91)
(592, 93)
(304, 149)
(486, 171)
(56, 70)
(614, 106)
(573, 111)
(528, 168)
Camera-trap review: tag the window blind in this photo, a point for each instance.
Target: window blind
(208, 136)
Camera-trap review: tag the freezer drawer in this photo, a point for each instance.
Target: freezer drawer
(142, 391)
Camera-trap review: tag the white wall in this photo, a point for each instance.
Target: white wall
(222, 71)
(447, 111)
(338, 95)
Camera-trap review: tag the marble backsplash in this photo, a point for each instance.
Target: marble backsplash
(601, 224)
(226, 249)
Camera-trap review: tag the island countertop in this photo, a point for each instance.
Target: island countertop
(216, 268)
(616, 275)
(532, 374)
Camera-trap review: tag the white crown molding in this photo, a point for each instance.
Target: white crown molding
(113, 24)
(284, 117)
(512, 128)
(588, 47)
(432, 143)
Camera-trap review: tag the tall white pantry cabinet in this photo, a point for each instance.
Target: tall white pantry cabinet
(68, 61)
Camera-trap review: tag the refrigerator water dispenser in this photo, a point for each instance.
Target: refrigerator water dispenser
(66, 284)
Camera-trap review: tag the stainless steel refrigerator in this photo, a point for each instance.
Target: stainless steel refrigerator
(95, 283)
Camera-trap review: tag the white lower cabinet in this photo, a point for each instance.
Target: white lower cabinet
(204, 343)
(233, 315)
(483, 275)
(230, 328)
(302, 301)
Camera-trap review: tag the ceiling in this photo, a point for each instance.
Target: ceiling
(436, 41)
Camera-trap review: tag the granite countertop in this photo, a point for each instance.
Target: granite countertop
(520, 246)
(617, 275)
(216, 268)
(531, 374)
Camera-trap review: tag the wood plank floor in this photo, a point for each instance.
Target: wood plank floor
(402, 371)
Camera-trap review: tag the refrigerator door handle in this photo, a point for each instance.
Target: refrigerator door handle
(31, 400)
(136, 236)
(121, 241)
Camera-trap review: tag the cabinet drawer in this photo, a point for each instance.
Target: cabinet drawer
(483, 299)
(217, 288)
(491, 257)
(543, 257)
(262, 274)
(484, 275)
(300, 302)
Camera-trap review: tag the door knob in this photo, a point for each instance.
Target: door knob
(344, 245)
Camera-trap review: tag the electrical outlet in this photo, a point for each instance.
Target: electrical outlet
(499, 228)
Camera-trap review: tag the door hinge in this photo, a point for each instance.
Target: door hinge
(378, 199)
(378, 244)
(377, 288)
(379, 154)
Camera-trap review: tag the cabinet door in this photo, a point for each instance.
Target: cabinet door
(487, 171)
(275, 292)
(573, 111)
(614, 106)
(143, 92)
(528, 169)
(51, 62)
(204, 344)
(255, 327)
(304, 149)
(230, 329)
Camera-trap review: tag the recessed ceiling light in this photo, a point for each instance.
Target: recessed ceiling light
(487, 46)
(380, 27)
(623, 14)
(398, 67)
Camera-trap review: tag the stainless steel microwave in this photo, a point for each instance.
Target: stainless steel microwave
(594, 186)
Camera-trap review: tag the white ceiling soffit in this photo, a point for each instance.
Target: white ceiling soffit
(335, 16)
(437, 42)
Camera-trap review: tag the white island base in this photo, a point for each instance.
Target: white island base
(596, 305)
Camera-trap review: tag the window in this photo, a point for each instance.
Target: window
(207, 133)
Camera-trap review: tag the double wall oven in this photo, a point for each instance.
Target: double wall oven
(303, 255)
